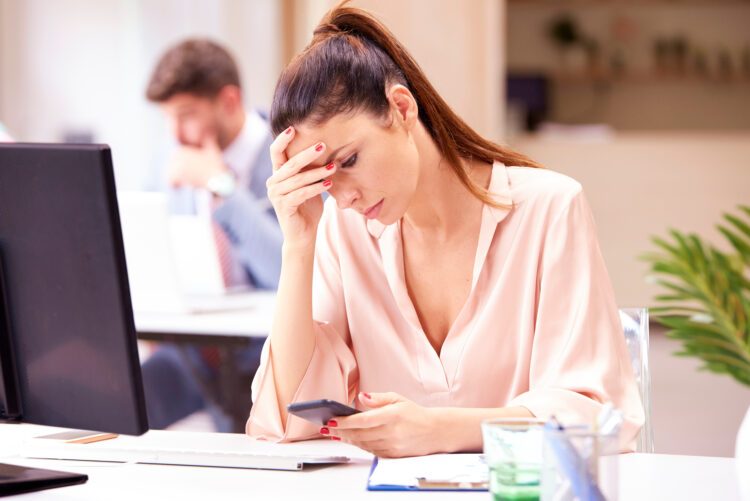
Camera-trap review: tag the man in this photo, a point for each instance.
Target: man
(219, 167)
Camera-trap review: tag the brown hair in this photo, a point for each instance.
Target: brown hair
(196, 66)
(347, 66)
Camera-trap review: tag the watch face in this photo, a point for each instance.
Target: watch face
(221, 184)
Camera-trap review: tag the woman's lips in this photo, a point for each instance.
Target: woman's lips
(374, 211)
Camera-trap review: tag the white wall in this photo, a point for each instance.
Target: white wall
(69, 66)
(82, 65)
(459, 46)
(640, 184)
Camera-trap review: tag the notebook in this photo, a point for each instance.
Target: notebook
(229, 450)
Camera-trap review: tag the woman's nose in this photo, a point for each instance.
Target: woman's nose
(344, 196)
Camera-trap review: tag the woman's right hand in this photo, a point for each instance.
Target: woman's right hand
(295, 193)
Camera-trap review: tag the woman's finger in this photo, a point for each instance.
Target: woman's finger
(370, 419)
(359, 435)
(300, 161)
(300, 196)
(302, 179)
(278, 148)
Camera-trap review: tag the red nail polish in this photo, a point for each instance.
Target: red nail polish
(332, 423)
(330, 166)
(327, 183)
(288, 131)
(367, 395)
(335, 438)
(319, 147)
(324, 431)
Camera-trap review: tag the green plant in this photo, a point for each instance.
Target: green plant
(707, 305)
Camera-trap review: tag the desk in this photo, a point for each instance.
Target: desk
(219, 326)
(228, 330)
(643, 477)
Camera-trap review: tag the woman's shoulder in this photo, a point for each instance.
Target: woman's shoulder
(529, 184)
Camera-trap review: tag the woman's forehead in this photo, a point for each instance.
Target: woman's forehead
(334, 132)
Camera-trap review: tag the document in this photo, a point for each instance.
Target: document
(433, 472)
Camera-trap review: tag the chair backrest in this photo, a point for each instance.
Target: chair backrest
(635, 325)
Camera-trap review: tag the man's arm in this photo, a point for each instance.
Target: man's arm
(255, 235)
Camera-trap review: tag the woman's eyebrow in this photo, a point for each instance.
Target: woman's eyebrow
(333, 154)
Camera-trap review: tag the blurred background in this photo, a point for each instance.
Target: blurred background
(645, 102)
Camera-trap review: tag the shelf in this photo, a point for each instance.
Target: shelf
(630, 3)
(643, 77)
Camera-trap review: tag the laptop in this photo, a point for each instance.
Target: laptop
(173, 262)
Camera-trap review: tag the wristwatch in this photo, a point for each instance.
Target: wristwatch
(222, 185)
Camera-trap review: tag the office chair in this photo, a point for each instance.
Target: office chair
(635, 326)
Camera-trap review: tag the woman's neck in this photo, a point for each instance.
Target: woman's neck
(441, 202)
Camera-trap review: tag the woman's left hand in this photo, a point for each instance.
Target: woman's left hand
(395, 427)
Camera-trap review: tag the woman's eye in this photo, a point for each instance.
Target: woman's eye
(349, 162)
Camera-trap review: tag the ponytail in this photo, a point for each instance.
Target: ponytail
(350, 61)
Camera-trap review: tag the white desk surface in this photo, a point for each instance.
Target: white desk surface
(643, 477)
(253, 321)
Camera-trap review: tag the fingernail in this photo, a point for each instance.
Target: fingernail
(366, 395)
(324, 431)
(288, 131)
(319, 147)
(330, 166)
(327, 183)
(332, 423)
(335, 438)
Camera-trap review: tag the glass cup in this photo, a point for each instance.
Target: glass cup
(513, 451)
(579, 464)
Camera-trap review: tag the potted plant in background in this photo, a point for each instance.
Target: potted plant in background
(707, 307)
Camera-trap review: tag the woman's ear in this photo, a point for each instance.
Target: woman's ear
(404, 105)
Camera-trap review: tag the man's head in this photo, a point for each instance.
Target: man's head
(197, 85)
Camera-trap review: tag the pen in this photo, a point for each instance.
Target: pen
(584, 487)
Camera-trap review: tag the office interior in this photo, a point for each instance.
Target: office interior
(646, 103)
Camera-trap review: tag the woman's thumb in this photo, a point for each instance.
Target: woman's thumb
(374, 400)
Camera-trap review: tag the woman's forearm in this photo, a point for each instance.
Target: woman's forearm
(462, 430)
(292, 335)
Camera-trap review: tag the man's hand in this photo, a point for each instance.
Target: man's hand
(192, 166)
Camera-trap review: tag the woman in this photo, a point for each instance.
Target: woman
(446, 280)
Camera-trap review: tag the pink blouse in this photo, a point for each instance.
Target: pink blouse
(540, 328)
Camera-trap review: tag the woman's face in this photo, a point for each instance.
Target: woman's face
(377, 162)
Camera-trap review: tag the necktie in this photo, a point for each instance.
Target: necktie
(224, 252)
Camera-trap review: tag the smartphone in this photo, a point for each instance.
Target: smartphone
(320, 411)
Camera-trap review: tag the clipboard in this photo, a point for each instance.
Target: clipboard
(475, 480)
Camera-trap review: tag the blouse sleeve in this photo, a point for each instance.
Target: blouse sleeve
(332, 372)
(579, 358)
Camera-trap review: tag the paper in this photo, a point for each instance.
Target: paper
(437, 471)
(195, 255)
